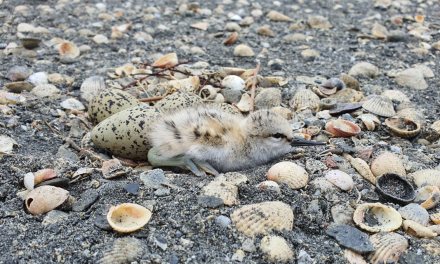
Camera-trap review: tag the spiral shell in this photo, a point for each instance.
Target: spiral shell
(124, 250)
(45, 198)
(428, 196)
(305, 98)
(417, 230)
(381, 218)
(260, 218)
(277, 248)
(415, 213)
(224, 190)
(128, 217)
(290, 173)
(403, 127)
(342, 128)
(340, 179)
(166, 61)
(426, 178)
(396, 95)
(387, 162)
(388, 246)
(361, 166)
(380, 105)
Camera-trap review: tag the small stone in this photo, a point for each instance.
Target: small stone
(412, 79)
(101, 217)
(243, 51)
(268, 98)
(210, 201)
(397, 36)
(161, 242)
(162, 192)
(294, 37)
(196, 51)
(364, 69)
(233, 27)
(223, 221)
(19, 73)
(99, 39)
(84, 48)
(38, 78)
(342, 215)
(54, 217)
(248, 245)
(193, 226)
(239, 255)
(132, 188)
(154, 178)
(85, 33)
(351, 238)
(72, 104)
(66, 154)
(57, 182)
(319, 22)
(304, 258)
(410, 258)
(201, 26)
(310, 53)
(231, 96)
(87, 199)
(277, 16)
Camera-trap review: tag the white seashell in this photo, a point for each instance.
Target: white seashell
(91, 86)
(428, 196)
(166, 61)
(290, 173)
(69, 50)
(269, 186)
(425, 178)
(305, 98)
(128, 217)
(189, 84)
(340, 179)
(396, 95)
(388, 246)
(245, 103)
(415, 213)
(44, 199)
(387, 162)
(417, 230)
(386, 218)
(233, 82)
(277, 248)
(380, 105)
(28, 181)
(208, 92)
(369, 124)
(224, 190)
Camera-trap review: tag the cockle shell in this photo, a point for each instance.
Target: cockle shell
(417, 230)
(428, 196)
(387, 162)
(340, 179)
(394, 188)
(342, 128)
(388, 246)
(128, 217)
(396, 95)
(381, 218)
(124, 250)
(403, 127)
(224, 190)
(91, 86)
(277, 248)
(415, 213)
(435, 218)
(166, 61)
(380, 105)
(44, 199)
(353, 257)
(426, 177)
(263, 217)
(303, 99)
(290, 173)
(361, 166)
(69, 50)
(233, 82)
(412, 114)
(30, 43)
(436, 126)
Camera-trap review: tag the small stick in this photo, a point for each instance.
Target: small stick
(360, 196)
(49, 126)
(150, 99)
(254, 82)
(203, 84)
(36, 126)
(69, 140)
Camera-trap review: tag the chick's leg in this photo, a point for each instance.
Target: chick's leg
(206, 167)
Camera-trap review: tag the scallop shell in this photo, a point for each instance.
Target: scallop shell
(436, 126)
(30, 43)
(45, 198)
(417, 230)
(350, 81)
(435, 218)
(380, 105)
(412, 114)
(426, 177)
(340, 179)
(290, 173)
(388, 246)
(128, 217)
(353, 257)
(277, 248)
(387, 162)
(403, 127)
(91, 86)
(282, 111)
(381, 218)
(166, 61)
(305, 98)
(69, 50)
(263, 217)
(342, 128)
(396, 95)
(269, 186)
(429, 196)
(54, 216)
(415, 213)
(224, 190)
(124, 250)
(362, 167)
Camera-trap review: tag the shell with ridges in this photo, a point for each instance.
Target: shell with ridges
(260, 218)
(340, 179)
(353, 257)
(396, 95)
(415, 213)
(388, 246)
(305, 98)
(124, 250)
(361, 166)
(403, 127)
(380, 105)
(425, 177)
(128, 217)
(436, 126)
(342, 128)
(290, 173)
(387, 162)
(435, 218)
(428, 196)
(224, 190)
(91, 86)
(387, 218)
(412, 114)
(45, 198)
(277, 248)
(417, 230)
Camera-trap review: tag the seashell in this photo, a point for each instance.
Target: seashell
(435, 218)
(282, 111)
(30, 43)
(54, 216)
(380, 105)
(347, 96)
(387, 162)
(435, 125)
(426, 178)
(243, 51)
(364, 153)
(188, 85)
(18, 87)
(122, 28)
(274, 80)
(290, 173)
(353, 257)
(113, 168)
(230, 71)
(29, 181)
(232, 39)
(305, 99)
(412, 114)
(340, 179)
(219, 99)
(128, 217)
(350, 81)
(394, 188)
(124, 250)
(342, 128)
(11, 98)
(233, 82)
(44, 175)
(91, 86)
(277, 16)
(245, 103)
(44, 199)
(333, 83)
(376, 217)
(277, 248)
(396, 95)
(417, 230)
(328, 103)
(389, 246)
(419, 18)
(260, 218)
(403, 127)
(313, 130)
(435, 229)
(269, 186)
(361, 166)
(247, 74)
(224, 190)
(264, 31)
(303, 136)
(208, 93)
(428, 196)
(415, 213)
(369, 124)
(166, 61)
(372, 118)
(125, 70)
(68, 50)
(326, 91)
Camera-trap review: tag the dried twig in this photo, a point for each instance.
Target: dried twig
(157, 98)
(360, 196)
(50, 126)
(70, 141)
(36, 126)
(254, 82)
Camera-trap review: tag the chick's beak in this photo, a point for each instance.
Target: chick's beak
(298, 142)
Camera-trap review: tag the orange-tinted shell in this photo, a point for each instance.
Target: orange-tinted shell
(166, 61)
(69, 50)
(128, 217)
(417, 230)
(342, 128)
(290, 173)
(400, 127)
(232, 39)
(387, 162)
(426, 177)
(44, 175)
(388, 246)
(45, 198)
(340, 179)
(277, 248)
(435, 218)
(428, 195)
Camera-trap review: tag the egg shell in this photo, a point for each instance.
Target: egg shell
(125, 134)
(340, 179)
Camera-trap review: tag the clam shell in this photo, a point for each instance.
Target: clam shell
(387, 162)
(233, 82)
(224, 190)
(372, 117)
(29, 181)
(436, 126)
(435, 218)
(381, 218)
(340, 179)
(429, 196)
(369, 124)
(353, 257)
(263, 217)
(305, 99)
(124, 250)
(277, 248)
(426, 178)
(290, 173)
(232, 39)
(44, 175)
(91, 86)
(44, 199)
(269, 186)
(342, 128)
(417, 230)
(380, 105)
(350, 81)
(403, 127)
(388, 246)
(166, 61)
(412, 114)
(388, 186)
(68, 50)
(188, 85)
(362, 167)
(415, 213)
(30, 43)
(128, 217)
(396, 95)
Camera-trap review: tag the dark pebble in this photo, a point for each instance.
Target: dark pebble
(351, 238)
(210, 201)
(87, 199)
(132, 188)
(57, 182)
(410, 258)
(173, 259)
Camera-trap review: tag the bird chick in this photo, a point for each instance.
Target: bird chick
(206, 139)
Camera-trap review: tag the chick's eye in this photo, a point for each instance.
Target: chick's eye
(277, 135)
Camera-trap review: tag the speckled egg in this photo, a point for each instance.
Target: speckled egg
(178, 101)
(227, 108)
(110, 102)
(125, 134)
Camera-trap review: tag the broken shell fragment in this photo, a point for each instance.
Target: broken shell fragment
(44, 175)
(233, 82)
(340, 179)
(44, 199)
(428, 196)
(435, 218)
(417, 230)
(403, 127)
(425, 178)
(232, 39)
(415, 213)
(353, 257)
(389, 246)
(282, 111)
(394, 188)
(290, 173)
(369, 124)
(328, 103)
(113, 168)
(342, 128)
(263, 217)
(188, 85)
(376, 217)
(224, 190)
(243, 51)
(380, 105)
(387, 162)
(128, 217)
(166, 61)
(124, 250)
(208, 93)
(91, 86)
(277, 248)
(69, 50)
(361, 166)
(245, 103)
